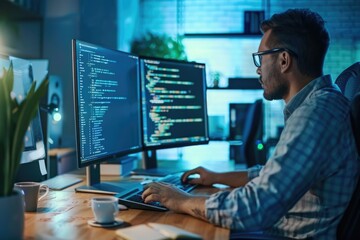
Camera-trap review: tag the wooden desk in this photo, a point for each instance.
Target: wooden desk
(64, 215)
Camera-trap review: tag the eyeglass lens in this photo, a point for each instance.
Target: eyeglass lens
(257, 60)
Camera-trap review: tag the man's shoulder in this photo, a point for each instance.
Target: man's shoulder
(330, 96)
(327, 101)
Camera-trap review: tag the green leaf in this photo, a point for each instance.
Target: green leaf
(5, 116)
(10, 78)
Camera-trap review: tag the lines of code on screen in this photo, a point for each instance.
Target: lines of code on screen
(108, 101)
(173, 102)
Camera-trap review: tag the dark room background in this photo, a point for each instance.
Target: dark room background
(212, 31)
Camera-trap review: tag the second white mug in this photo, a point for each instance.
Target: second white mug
(105, 209)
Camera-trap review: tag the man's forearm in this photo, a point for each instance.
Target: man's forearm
(194, 206)
(233, 179)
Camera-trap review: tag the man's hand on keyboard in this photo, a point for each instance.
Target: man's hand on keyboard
(205, 176)
(167, 194)
(175, 199)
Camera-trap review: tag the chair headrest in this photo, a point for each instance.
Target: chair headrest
(349, 80)
(355, 118)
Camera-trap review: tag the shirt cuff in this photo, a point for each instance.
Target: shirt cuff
(254, 171)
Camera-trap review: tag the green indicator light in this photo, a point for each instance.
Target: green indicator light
(260, 146)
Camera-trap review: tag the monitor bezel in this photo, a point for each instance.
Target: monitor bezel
(108, 157)
(182, 143)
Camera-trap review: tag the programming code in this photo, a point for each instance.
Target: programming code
(108, 101)
(173, 98)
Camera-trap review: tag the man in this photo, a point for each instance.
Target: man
(305, 186)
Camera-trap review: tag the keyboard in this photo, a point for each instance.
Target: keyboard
(134, 200)
(61, 181)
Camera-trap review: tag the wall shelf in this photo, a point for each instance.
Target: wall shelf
(241, 84)
(222, 35)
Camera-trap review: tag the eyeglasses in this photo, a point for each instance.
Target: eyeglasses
(258, 55)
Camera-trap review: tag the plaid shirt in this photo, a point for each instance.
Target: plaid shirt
(305, 186)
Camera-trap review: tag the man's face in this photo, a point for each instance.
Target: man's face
(272, 81)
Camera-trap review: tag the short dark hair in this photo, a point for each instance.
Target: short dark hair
(303, 32)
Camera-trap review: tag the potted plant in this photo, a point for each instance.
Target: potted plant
(215, 76)
(15, 118)
(159, 45)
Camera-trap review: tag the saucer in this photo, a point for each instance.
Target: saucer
(116, 223)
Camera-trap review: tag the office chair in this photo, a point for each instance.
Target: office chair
(349, 83)
(348, 80)
(252, 125)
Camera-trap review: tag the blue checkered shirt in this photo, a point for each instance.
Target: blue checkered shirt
(305, 186)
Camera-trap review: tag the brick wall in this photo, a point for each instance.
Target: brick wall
(214, 16)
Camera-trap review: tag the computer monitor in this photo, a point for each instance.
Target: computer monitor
(107, 110)
(32, 164)
(174, 110)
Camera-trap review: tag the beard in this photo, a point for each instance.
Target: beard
(275, 86)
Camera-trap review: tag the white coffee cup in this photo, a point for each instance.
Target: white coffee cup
(105, 209)
(31, 194)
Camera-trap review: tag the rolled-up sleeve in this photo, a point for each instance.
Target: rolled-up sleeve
(254, 171)
(243, 208)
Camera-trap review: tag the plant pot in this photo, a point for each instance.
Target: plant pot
(12, 216)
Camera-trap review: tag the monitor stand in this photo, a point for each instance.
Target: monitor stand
(149, 166)
(94, 184)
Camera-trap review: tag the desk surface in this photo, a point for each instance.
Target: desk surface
(64, 215)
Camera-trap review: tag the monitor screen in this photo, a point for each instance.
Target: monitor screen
(107, 103)
(174, 111)
(23, 78)
(32, 167)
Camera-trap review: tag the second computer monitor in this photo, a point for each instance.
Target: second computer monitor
(174, 112)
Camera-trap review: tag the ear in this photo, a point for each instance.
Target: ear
(285, 61)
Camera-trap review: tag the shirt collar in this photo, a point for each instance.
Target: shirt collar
(298, 99)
